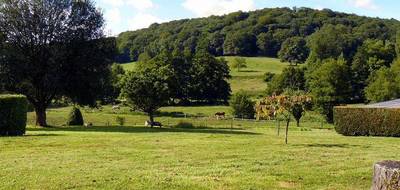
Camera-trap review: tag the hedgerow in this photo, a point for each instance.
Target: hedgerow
(362, 121)
(13, 115)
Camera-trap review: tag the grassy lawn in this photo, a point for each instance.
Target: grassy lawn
(249, 156)
(249, 79)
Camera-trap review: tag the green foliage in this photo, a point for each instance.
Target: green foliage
(13, 115)
(75, 117)
(361, 121)
(239, 62)
(384, 84)
(146, 90)
(262, 33)
(268, 76)
(330, 85)
(294, 50)
(291, 78)
(120, 120)
(242, 106)
(185, 125)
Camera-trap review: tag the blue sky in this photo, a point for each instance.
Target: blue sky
(123, 15)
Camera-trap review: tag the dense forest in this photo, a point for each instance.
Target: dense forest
(257, 33)
(349, 58)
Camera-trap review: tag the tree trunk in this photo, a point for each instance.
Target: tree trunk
(386, 175)
(40, 116)
(298, 123)
(151, 116)
(287, 131)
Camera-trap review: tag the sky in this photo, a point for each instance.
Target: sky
(124, 15)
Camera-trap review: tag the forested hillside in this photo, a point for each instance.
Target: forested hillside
(257, 33)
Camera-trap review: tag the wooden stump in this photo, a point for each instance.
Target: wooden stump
(386, 175)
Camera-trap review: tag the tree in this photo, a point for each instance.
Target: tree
(294, 50)
(209, 80)
(146, 90)
(291, 78)
(242, 105)
(285, 106)
(330, 85)
(54, 48)
(240, 43)
(239, 62)
(384, 84)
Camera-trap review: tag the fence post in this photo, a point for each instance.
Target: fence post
(279, 126)
(233, 118)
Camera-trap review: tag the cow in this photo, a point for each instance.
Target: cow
(219, 115)
(152, 124)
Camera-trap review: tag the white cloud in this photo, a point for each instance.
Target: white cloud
(114, 19)
(140, 5)
(365, 4)
(143, 20)
(203, 8)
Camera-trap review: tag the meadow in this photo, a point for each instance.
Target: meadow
(248, 156)
(250, 79)
(193, 150)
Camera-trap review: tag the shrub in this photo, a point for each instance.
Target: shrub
(120, 120)
(242, 105)
(75, 117)
(268, 76)
(361, 121)
(13, 109)
(185, 125)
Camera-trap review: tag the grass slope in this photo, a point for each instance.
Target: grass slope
(249, 79)
(251, 156)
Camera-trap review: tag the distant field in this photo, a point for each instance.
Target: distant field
(249, 156)
(129, 66)
(249, 79)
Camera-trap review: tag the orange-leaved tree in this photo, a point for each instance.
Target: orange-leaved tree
(285, 106)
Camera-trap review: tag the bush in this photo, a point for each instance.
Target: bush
(120, 120)
(242, 105)
(361, 121)
(268, 76)
(13, 109)
(75, 117)
(185, 125)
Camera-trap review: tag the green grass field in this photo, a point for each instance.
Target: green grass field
(249, 79)
(213, 156)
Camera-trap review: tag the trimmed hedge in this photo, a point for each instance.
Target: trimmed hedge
(13, 115)
(362, 121)
(75, 117)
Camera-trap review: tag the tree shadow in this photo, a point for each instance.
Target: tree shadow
(327, 145)
(248, 71)
(112, 129)
(43, 135)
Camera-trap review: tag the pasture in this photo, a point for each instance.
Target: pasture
(249, 156)
(249, 79)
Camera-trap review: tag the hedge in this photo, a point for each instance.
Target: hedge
(365, 121)
(13, 115)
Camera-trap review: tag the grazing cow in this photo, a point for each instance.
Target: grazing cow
(220, 115)
(152, 124)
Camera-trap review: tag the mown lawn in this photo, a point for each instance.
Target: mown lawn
(249, 156)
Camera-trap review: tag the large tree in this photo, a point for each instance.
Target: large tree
(54, 48)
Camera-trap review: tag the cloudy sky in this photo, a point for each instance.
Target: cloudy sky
(123, 15)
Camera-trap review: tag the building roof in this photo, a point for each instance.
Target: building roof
(387, 104)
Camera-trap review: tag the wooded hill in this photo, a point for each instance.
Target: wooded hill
(256, 33)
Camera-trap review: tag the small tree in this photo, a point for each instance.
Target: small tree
(242, 105)
(285, 106)
(146, 90)
(75, 117)
(239, 62)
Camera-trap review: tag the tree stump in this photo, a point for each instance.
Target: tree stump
(386, 175)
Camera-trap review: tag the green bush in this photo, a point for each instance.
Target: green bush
(13, 109)
(361, 121)
(75, 117)
(268, 76)
(120, 120)
(242, 105)
(185, 125)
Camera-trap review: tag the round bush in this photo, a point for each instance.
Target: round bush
(242, 105)
(13, 115)
(75, 117)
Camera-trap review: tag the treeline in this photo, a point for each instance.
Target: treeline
(259, 33)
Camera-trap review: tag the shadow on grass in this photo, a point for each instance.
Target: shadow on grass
(316, 145)
(143, 130)
(42, 135)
